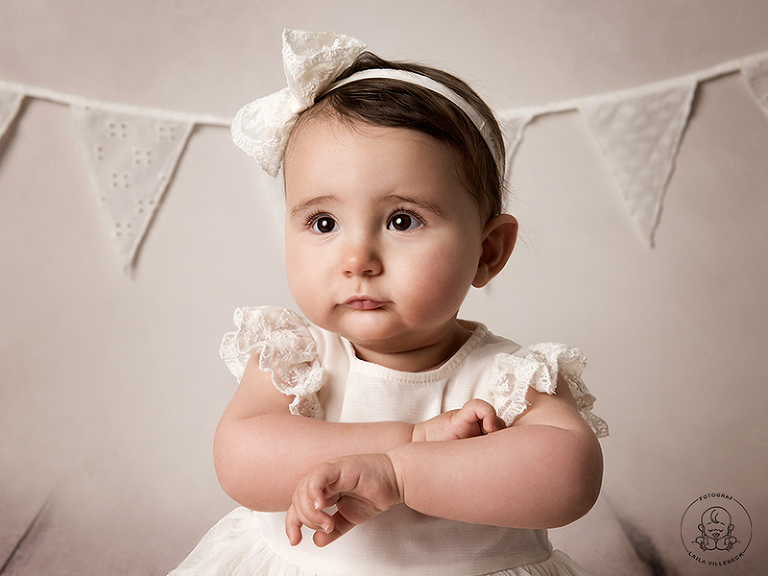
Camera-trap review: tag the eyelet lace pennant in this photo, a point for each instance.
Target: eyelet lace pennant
(513, 127)
(131, 159)
(639, 136)
(756, 74)
(10, 101)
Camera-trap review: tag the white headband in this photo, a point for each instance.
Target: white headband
(439, 88)
(311, 61)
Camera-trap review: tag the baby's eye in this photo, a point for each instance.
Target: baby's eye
(324, 224)
(403, 222)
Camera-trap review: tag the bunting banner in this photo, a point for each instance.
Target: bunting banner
(756, 73)
(639, 137)
(131, 159)
(131, 153)
(9, 106)
(513, 128)
(638, 131)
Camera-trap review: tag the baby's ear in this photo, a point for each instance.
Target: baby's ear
(499, 238)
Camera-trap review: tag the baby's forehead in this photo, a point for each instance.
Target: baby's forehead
(332, 137)
(320, 114)
(315, 133)
(319, 126)
(328, 123)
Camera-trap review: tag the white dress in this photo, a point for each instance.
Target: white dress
(328, 381)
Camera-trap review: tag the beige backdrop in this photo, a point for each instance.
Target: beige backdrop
(111, 386)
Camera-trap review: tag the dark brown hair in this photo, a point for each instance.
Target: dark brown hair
(399, 104)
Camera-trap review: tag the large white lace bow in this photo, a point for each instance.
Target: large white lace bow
(311, 61)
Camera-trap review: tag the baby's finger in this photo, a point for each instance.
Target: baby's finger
(306, 510)
(485, 415)
(340, 527)
(325, 484)
(476, 409)
(311, 495)
(492, 423)
(296, 518)
(293, 526)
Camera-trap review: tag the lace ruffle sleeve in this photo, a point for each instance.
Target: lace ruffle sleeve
(286, 349)
(539, 367)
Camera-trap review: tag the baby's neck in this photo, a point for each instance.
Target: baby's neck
(418, 359)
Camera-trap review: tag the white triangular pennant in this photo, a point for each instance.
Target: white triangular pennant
(639, 135)
(10, 102)
(513, 127)
(757, 78)
(131, 159)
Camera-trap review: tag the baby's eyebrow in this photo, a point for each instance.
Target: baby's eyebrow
(311, 203)
(424, 204)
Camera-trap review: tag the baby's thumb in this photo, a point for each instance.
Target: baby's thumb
(492, 423)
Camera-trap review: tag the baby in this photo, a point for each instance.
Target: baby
(408, 440)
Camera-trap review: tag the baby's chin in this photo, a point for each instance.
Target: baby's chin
(372, 330)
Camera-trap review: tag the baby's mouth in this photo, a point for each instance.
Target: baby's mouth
(362, 303)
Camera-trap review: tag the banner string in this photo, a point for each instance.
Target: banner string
(88, 103)
(710, 73)
(131, 151)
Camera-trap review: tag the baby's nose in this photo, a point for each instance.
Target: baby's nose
(361, 258)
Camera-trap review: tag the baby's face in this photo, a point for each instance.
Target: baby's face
(383, 240)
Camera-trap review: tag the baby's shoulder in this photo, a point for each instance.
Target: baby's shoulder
(286, 348)
(274, 332)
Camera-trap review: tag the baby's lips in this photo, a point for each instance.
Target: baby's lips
(363, 303)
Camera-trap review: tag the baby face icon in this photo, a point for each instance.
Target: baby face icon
(716, 530)
(713, 522)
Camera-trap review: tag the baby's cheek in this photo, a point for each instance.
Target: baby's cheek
(440, 287)
(303, 282)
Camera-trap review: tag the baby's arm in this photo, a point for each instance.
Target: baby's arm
(261, 451)
(542, 472)
(475, 418)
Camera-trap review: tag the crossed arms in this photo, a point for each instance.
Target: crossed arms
(543, 471)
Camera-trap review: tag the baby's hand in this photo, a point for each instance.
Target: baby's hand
(475, 418)
(360, 486)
